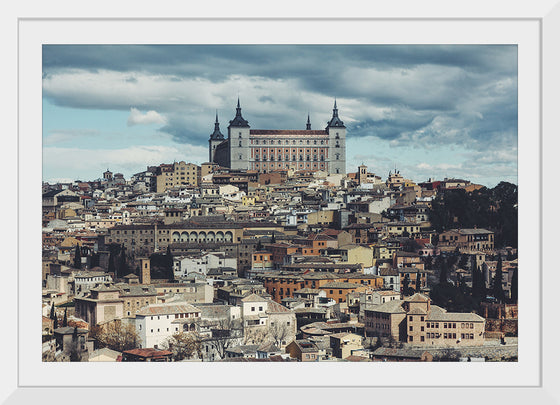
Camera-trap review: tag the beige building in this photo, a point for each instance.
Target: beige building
(467, 240)
(320, 217)
(178, 174)
(146, 239)
(414, 320)
(102, 305)
(136, 297)
(357, 254)
(343, 343)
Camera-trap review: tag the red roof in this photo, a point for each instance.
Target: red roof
(148, 352)
(287, 132)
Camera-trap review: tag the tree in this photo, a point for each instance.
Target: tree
(279, 332)
(184, 345)
(75, 350)
(449, 354)
(418, 281)
(111, 266)
(497, 287)
(514, 288)
(169, 264)
(123, 267)
(53, 312)
(94, 260)
(77, 257)
(273, 239)
(224, 335)
(259, 246)
(463, 261)
(405, 283)
(443, 272)
(65, 320)
(116, 336)
(55, 322)
(428, 262)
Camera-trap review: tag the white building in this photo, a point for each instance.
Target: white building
(156, 323)
(184, 265)
(268, 150)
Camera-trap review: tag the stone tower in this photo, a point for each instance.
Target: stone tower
(145, 270)
(238, 136)
(362, 174)
(337, 143)
(216, 138)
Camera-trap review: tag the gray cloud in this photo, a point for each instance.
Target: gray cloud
(418, 96)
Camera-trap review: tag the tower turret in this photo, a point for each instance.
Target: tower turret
(216, 138)
(238, 137)
(337, 143)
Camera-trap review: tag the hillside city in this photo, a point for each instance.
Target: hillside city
(204, 263)
(271, 251)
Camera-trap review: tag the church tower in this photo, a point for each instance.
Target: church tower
(238, 136)
(216, 138)
(337, 143)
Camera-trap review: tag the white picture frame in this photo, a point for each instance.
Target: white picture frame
(34, 382)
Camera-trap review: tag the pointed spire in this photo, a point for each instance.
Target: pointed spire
(217, 135)
(238, 121)
(335, 121)
(308, 125)
(335, 110)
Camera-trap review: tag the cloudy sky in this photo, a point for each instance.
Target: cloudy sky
(429, 111)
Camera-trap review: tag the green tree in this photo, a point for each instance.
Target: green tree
(75, 350)
(123, 266)
(111, 265)
(443, 272)
(463, 261)
(53, 311)
(514, 288)
(94, 260)
(497, 287)
(418, 281)
(77, 257)
(169, 264)
(65, 320)
(406, 284)
(55, 322)
(259, 246)
(273, 239)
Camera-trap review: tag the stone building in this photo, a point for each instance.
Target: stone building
(414, 320)
(266, 150)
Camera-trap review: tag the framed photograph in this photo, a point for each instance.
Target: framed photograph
(68, 66)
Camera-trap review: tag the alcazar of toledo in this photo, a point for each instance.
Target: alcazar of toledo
(266, 150)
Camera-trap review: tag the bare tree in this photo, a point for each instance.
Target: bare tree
(255, 336)
(278, 332)
(116, 336)
(225, 334)
(184, 345)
